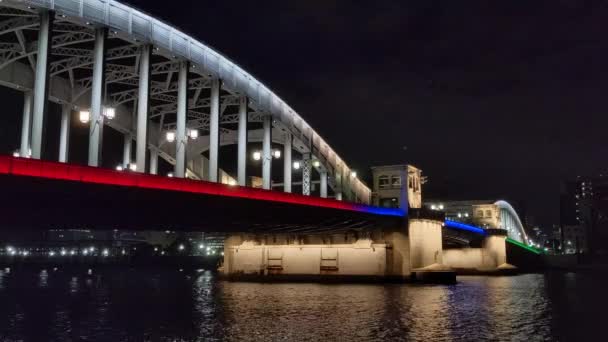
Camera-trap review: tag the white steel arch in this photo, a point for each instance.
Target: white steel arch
(509, 220)
(75, 21)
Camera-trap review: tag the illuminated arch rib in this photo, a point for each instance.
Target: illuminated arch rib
(510, 221)
(133, 25)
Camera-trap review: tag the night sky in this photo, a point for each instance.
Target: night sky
(491, 99)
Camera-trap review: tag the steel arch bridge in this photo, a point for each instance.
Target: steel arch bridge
(90, 55)
(510, 221)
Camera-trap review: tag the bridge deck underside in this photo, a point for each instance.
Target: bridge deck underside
(39, 203)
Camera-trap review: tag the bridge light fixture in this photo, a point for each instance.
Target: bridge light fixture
(109, 112)
(316, 163)
(297, 165)
(353, 174)
(193, 134)
(106, 252)
(119, 168)
(133, 167)
(440, 207)
(51, 254)
(276, 154)
(170, 174)
(170, 136)
(85, 116)
(16, 154)
(257, 155)
(232, 182)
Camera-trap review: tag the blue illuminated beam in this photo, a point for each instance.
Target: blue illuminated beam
(462, 226)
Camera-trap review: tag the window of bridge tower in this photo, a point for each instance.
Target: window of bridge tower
(396, 181)
(383, 182)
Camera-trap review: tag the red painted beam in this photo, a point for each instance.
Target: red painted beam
(85, 174)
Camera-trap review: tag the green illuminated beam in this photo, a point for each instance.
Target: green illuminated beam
(517, 243)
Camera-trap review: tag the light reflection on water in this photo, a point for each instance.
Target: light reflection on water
(139, 305)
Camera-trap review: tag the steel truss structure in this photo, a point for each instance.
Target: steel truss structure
(188, 86)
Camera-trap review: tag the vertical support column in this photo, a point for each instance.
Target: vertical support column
(306, 173)
(242, 131)
(287, 163)
(153, 161)
(64, 134)
(323, 184)
(182, 109)
(267, 153)
(143, 102)
(338, 189)
(26, 124)
(214, 129)
(97, 95)
(126, 151)
(41, 83)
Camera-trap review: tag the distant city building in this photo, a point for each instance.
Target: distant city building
(584, 215)
(388, 182)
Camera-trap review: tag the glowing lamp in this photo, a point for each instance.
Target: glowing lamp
(85, 116)
(170, 137)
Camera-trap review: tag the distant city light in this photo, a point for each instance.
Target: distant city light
(181, 247)
(201, 246)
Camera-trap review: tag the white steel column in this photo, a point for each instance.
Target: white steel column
(153, 161)
(26, 124)
(64, 134)
(41, 83)
(126, 151)
(182, 109)
(143, 102)
(287, 163)
(214, 129)
(267, 153)
(338, 189)
(323, 184)
(242, 152)
(306, 173)
(97, 95)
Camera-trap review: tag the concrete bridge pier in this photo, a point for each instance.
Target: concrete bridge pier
(426, 251)
(406, 253)
(490, 258)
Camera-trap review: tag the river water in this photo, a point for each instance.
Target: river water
(169, 305)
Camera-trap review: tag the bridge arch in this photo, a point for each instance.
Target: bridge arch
(75, 25)
(510, 221)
